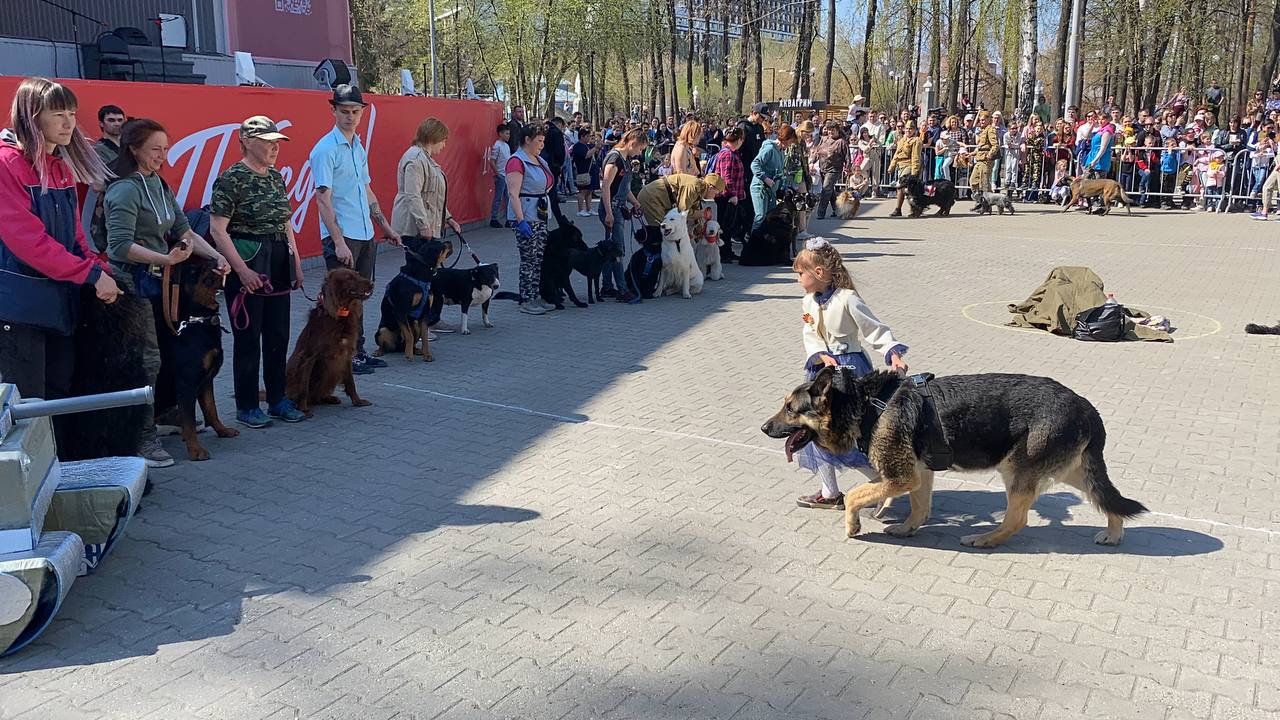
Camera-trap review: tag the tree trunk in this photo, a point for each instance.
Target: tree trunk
(688, 65)
(626, 84)
(802, 39)
(1060, 54)
(1246, 64)
(724, 48)
(675, 91)
(935, 43)
(706, 47)
(757, 46)
(831, 51)
(865, 90)
(659, 82)
(955, 54)
(740, 69)
(1268, 69)
(1027, 63)
(909, 89)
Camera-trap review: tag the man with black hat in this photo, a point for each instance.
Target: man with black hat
(340, 168)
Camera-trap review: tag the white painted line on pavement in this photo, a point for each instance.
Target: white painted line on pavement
(757, 448)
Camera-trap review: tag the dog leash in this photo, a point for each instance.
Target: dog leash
(238, 309)
(169, 298)
(475, 258)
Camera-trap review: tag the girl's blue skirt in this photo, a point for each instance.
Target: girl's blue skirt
(811, 457)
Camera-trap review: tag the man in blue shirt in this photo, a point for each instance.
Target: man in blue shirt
(346, 201)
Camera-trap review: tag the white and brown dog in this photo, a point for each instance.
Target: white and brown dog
(680, 271)
(706, 245)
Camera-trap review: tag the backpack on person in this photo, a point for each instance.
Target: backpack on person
(711, 163)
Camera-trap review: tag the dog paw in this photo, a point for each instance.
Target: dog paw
(1105, 538)
(852, 526)
(330, 400)
(360, 402)
(428, 357)
(983, 540)
(197, 453)
(486, 324)
(468, 330)
(900, 530)
(226, 432)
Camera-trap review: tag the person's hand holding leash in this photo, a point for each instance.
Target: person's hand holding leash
(342, 252)
(898, 364)
(222, 267)
(179, 253)
(106, 289)
(250, 279)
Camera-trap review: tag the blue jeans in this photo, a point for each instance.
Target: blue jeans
(762, 201)
(1144, 184)
(611, 276)
(500, 194)
(1259, 177)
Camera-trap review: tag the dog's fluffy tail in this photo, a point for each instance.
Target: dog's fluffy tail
(504, 295)
(1256, 329)
(1101, 491)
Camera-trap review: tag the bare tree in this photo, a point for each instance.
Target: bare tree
(831, 50)
(1027, 62)
(866, 48)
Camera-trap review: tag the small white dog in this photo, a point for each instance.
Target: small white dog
(680, 271)
(706, 245)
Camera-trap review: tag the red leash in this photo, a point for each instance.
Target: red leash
(239, 311)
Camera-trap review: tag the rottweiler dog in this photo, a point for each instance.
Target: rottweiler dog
(191, 351)
(407, 298)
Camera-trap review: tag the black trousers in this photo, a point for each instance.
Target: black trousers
(364, 258)
(40, 362)
(267, 336)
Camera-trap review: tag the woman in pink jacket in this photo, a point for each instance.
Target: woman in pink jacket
(44, 259)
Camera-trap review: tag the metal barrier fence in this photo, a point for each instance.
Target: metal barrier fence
(1236, 183)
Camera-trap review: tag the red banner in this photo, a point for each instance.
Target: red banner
(202, 122)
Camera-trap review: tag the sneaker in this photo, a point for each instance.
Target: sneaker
(531, 309)
(154, 454)
(432, 337)
(608, 293)
(358, 367)
(546, 305)
(370, 361)
(254, 418)
(1259, 216)
(285, 410)
(817, 502)
(896, 213)
(495, 224)
(625, 296)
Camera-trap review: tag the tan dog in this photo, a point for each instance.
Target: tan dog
(847, 205)
(1109, 190)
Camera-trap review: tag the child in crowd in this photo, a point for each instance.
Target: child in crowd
(665, 168)
(1060, 191)
(1146, 163)
(1211, 167)
(837, 325)
(1170, 160)
(1011, 150)
(1262, 159)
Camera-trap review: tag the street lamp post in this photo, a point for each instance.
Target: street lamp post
(431, 14)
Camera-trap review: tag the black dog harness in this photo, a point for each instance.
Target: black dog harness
(937, 453)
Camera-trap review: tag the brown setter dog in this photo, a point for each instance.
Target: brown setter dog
(322, 355)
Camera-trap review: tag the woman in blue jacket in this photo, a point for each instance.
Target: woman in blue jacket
(766, 171)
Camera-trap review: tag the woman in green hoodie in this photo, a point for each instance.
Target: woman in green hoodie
(766, 172)
(141, 215)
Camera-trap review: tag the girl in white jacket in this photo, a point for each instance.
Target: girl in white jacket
(837, 326)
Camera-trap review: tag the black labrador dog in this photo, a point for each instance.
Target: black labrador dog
(589, 263)
(921, 195)
(772, 243)
(557, 264)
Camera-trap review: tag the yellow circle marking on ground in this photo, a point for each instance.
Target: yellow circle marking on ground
(1217, 326)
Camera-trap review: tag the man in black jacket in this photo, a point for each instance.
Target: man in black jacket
(752, 135)
(553, 153)
(516, 124)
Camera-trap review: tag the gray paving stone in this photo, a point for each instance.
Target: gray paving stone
(621, 541)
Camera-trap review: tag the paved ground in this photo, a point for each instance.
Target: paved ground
(576, 516)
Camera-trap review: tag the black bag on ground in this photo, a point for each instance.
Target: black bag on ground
(1105, 323)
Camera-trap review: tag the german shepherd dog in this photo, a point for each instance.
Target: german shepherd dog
(921, 195)
(323, 351)
(1109, 190)
(406, 301)
(192, 358)
(1032, 430)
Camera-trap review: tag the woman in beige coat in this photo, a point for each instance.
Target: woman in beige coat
(421, 191)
